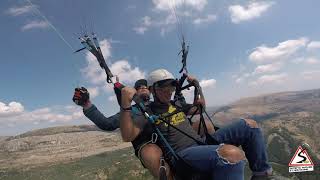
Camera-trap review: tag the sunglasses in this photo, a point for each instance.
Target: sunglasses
(167, 88)
(142, 87)
(166, 83)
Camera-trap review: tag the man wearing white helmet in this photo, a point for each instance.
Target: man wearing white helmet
(223, 161)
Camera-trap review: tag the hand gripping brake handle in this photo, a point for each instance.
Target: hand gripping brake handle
(117, 89)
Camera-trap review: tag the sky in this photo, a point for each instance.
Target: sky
(237, 49)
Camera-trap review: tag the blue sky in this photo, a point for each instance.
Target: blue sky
(237, 49)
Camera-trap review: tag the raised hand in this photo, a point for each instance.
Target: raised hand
(81, 96)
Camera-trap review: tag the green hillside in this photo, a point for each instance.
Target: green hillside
(117, 165)
(121, 165)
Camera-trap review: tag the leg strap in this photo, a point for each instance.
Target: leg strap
(162, 169)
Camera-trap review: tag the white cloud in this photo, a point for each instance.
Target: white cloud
(144, 25)
(108, 88)
(168, 5)
(121, 68)
(287, 55)
(15, 114)
(312, 60)
(112, 98)
(35, 25)
(69, 108)
(48, 115)
(206, 83)
(308, 60)
(94, 92)
(298, 60)
(208, 19)
(313, 45)
(264, 54)
(17, 11)
(170, 19)
(241, 78)
(165, 30)
(167, 14)
(146, 21)
(164, 24)
(126, 72)
(189, 94)
(13, 108)
(93, 70)
(251, 11)
(131, 7)
(140, 30)
(311, 75)
(270, 79)
(268, 68)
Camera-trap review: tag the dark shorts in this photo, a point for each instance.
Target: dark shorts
(144, 138)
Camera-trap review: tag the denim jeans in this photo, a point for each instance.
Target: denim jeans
(238, 133)
(206, 159)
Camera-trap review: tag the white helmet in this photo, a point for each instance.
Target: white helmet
(159, 75)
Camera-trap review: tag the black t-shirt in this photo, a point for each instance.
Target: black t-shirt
(146, 130)
(176, 139)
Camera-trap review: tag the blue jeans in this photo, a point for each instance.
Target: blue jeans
(238, 133)
(206, 159)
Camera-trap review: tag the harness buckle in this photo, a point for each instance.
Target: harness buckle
(154, 138)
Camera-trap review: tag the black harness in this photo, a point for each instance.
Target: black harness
(181, 168)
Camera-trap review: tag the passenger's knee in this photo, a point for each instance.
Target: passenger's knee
(231, 153)
(151, 152)
(252, 123)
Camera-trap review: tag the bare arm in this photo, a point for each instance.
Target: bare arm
(128, 129)
(199, 98)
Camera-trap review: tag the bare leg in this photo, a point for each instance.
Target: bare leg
(150, 156)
